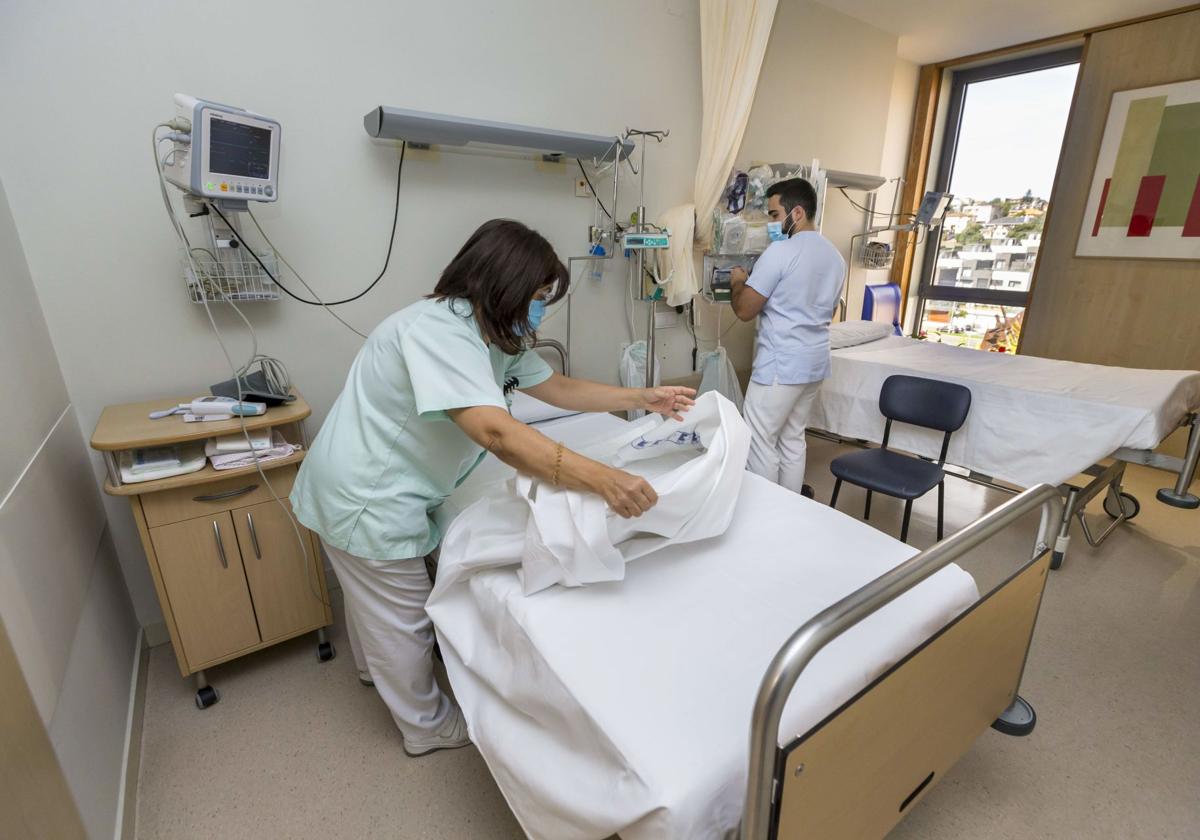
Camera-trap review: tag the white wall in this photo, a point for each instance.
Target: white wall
(80, 177)
(63, 600)
(82, 186)
(832, 89)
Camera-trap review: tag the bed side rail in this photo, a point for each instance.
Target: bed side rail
(558, 347)
(785, 669)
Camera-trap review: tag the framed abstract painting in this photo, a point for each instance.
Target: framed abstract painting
(1145, 197)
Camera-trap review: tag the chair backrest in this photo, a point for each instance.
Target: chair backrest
(930, 403)
(882, 303)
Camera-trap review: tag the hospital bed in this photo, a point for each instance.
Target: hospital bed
(803, 675)
(1032, 421)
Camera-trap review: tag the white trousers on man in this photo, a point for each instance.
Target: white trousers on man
(777, 416)
(391, 637)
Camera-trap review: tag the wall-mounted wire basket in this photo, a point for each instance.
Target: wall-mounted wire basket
(236, 276)
(877, 255)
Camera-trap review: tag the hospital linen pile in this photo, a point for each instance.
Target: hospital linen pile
(572, 538)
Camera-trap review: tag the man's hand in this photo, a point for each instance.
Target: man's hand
(737, 274)
(668, 400)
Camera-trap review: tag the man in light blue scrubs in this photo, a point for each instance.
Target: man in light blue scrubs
(424, 402)
(794, 292)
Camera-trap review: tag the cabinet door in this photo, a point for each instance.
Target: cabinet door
(286, 589)
(206, 585)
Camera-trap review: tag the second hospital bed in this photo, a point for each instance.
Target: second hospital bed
(627, 707)
(1032, 420)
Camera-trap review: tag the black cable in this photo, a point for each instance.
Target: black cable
(845, 195)
(595, 194)
(386, 261)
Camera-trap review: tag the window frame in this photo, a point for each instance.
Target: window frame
(927, 289)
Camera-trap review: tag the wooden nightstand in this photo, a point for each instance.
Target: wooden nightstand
(230, 573)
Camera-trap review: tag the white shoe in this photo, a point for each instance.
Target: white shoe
(452, 735)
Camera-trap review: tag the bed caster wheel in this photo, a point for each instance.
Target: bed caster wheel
(1017, 720)
(1056, 558)
(207, 696)
(1130, 506)
(325, 651)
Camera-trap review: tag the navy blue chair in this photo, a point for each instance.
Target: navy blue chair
(929, 403)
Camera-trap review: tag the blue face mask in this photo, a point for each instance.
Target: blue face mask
(537, 310)
(776, 232)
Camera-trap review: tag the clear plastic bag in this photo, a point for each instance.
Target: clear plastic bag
(717, 374)
(633, 371)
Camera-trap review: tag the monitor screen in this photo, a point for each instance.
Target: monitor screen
(238, 149)
(932, 208)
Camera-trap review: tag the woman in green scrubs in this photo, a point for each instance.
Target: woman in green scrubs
(423, 404)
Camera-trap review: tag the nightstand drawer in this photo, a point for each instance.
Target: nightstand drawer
(203, 499)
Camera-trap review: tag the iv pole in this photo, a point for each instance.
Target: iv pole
(643, 226)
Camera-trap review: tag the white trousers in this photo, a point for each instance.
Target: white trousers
(391, 636)
(777, 416)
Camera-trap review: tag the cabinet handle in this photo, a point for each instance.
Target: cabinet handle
(227, 494)
(220, 545)
(253, 535)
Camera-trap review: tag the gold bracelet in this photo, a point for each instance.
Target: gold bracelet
(558, 452)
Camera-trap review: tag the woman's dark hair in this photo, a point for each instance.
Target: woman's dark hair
(499, 270)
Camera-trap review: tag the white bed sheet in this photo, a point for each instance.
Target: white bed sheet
(1031, 419)
(625, 707)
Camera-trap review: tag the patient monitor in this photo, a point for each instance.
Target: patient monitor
(230, 153)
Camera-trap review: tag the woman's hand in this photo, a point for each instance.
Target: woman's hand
(627, 494)
(668, 400)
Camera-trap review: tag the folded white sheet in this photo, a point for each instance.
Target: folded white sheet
(1031, 419)
(625, 706)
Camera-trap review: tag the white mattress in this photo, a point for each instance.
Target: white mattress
(1031, 419)
(625, 707)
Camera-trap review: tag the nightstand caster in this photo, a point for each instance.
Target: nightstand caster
(207, 696)
(325, 648)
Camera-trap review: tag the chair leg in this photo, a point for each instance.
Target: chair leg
(941, 507)
(867, 508)
(904, 527)
(837, 488)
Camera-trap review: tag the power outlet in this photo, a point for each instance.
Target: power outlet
(582, 190)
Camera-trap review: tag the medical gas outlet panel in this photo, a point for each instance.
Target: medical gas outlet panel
(223, 152)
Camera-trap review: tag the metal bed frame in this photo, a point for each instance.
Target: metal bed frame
(859, 770)
(1119, 505)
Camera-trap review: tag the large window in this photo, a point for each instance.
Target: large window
(1004, 131)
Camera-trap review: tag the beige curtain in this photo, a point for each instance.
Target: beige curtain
(733, 41)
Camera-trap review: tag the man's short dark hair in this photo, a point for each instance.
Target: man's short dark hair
(793, 192)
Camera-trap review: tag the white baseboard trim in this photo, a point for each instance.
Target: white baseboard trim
(156, 634)
(133, 739)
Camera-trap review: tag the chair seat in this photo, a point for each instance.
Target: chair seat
(888, 472)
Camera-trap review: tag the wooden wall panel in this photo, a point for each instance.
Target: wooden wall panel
(1134, 313)
(916, 172)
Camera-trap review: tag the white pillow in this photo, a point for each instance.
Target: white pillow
(529, 409)
(850, 333)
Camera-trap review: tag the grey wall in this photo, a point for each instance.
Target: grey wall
(63, 599)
